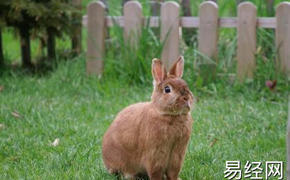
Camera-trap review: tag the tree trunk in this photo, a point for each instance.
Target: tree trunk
(50, 44)
(25, 46)
(77, 29)
(1, 49)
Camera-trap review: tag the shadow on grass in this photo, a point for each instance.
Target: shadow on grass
(40, 67)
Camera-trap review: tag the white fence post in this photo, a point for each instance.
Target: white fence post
(170, 32)
(208, 38)
(96, 38)
(283, 37)
(247, 20)
(133, 21)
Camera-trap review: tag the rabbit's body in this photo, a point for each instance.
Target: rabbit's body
(141, 141)
(151, 137)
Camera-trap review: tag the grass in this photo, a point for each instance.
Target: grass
(66, 104)
(233, 121)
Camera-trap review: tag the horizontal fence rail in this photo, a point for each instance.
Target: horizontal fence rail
(208, 24)
(188, 22)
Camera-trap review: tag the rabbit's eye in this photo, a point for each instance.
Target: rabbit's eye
(167, 89)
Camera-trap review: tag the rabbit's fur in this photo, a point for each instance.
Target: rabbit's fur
(151, 137)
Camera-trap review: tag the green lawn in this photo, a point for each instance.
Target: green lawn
(232, 120)
(230, 124)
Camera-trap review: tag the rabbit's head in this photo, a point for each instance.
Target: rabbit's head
(171, 95)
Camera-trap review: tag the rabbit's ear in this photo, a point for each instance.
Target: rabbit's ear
(158, 70)
(177, 68)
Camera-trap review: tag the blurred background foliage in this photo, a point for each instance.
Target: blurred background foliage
(56, 19)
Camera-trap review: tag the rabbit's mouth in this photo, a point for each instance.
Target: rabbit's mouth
(180, 108)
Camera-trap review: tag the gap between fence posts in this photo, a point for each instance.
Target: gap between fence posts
(96, 38)
(133, 21)
(76, 39)
(247, 20)
(169, 33)
(283, 37)
(208, 38)
(155, 7)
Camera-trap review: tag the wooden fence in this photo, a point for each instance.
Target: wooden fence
(208, 24)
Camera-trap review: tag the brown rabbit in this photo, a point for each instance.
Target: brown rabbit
(151, 137)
